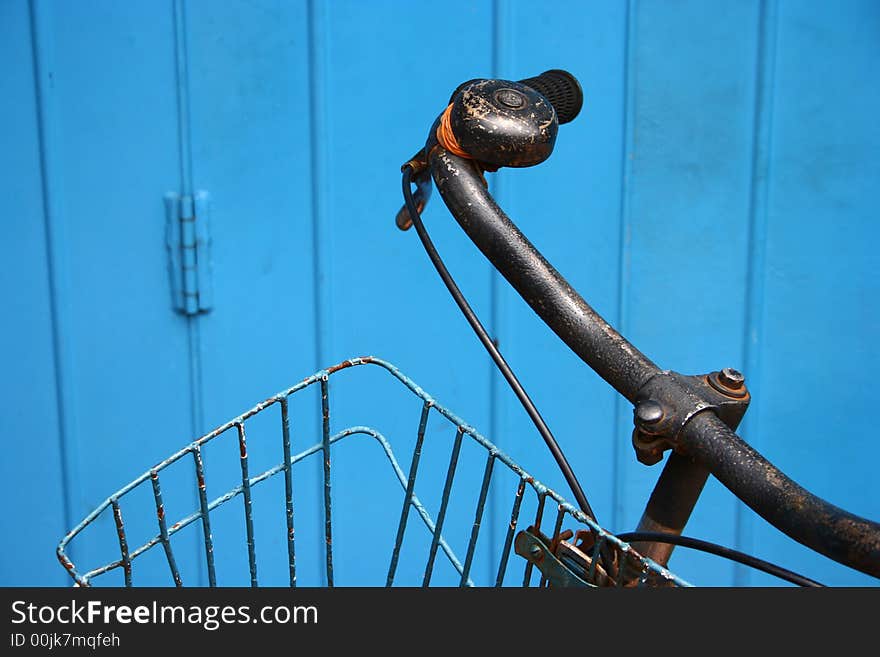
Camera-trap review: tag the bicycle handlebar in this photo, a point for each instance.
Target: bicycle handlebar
(806, 518)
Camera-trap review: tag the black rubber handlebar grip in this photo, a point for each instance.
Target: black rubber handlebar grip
(563, 91)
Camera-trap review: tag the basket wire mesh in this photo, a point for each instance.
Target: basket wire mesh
(545, 500)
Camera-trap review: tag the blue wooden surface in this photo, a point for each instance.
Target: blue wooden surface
(714, 200)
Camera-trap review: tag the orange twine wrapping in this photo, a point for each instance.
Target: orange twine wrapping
(447, 138)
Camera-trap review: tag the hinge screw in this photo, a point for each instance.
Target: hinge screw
(536, 552)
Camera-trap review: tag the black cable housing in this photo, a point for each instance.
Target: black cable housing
(721, 551)
(487, 342)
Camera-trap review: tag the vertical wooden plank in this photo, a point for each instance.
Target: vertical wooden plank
(114, 148)
(249, 105)
(815, 396)
(249, 126)
(689, 210)
(33, 466)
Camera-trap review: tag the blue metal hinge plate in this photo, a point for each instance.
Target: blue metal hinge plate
(188, 240)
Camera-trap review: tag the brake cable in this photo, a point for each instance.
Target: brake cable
(488, 343)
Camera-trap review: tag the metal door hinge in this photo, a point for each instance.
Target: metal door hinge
(188, 240)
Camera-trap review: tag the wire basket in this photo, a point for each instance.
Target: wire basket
(407, 512)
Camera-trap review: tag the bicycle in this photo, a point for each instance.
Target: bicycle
(489, 124)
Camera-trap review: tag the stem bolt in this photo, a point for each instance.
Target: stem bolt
(648, 412)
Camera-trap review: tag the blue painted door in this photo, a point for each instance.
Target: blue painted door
(714, 200)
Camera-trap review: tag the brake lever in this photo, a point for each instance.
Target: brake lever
(422, 178)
